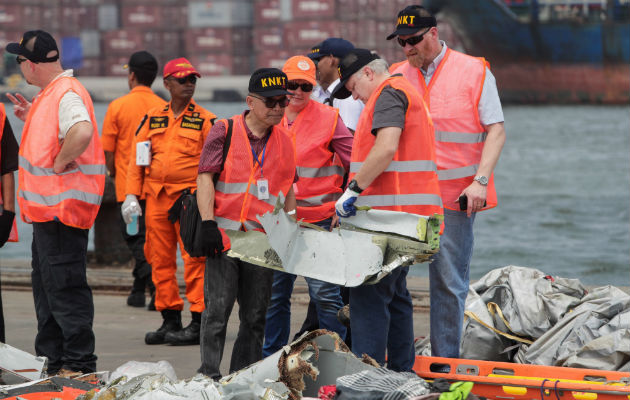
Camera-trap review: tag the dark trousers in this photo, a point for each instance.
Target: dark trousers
(142, 269)
(227, 280)
(63, 299)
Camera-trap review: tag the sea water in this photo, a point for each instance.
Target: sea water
(563, 183)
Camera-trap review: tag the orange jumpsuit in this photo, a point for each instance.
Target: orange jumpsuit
(176, 145)
(120, 125)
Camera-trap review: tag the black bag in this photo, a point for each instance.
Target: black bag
(185, 209)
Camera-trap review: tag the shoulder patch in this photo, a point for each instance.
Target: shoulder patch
(191, 107)
(192, 122)
(158, 122)
(195, 114)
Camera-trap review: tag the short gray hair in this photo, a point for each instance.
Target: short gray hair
(379, 66)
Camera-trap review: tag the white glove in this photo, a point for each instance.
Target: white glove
(345, 205)
(129, 207)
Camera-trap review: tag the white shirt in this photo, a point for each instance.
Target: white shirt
(489, 107)
(349, 108)
(71, 109)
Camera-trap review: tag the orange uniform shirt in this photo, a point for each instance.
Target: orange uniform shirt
(122, 120)
(176, 145)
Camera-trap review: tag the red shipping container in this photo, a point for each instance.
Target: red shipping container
(347, 10)
(113, 65)
(309, 33)
(20, 17)
(161, 42)
(243, 65)
(387, 10)
(303, 9)
(367, 36)
(91, 67)
(142, 17)
(9, 36)
(175, 17)
(122, 42)
(349, 30)
(367, 9)
(269, 38)
(272, 59)
(267, 12)
(75, 19)
(212, 64)
(228, 40)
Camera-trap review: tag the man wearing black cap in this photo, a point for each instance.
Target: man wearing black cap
(246, 162)
(464, 104)
(61, 181)
(392, 168)
(119, 127)
(326, 56)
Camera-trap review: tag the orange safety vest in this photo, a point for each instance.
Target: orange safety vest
(13, 236)
(453, 96)
(236, 193)
(410, 182)
(320, 172)
(72, 197)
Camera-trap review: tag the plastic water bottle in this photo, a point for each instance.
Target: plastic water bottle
(133, 228)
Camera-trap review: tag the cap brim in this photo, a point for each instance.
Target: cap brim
(275, 92)
(403, 31)
(314, 56)
(15, 48)
(340, 91)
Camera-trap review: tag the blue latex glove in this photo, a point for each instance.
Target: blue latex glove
(345, 205)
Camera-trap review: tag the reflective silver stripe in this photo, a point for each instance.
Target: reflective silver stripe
(55, 199)
(231, 188)
(318, 200)
(85, 169)
(385, 200)
(456, 173)
(402, 166)
(226, 223)
(459, 137)
(330, 170)
(251, 225)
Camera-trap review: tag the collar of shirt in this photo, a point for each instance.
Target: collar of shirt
(66, 73)
(142, 88)
(435, 63)
(250, 135)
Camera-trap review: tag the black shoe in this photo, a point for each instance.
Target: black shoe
(151, 306)
(136, 299)
(172, 323)
(186, 337)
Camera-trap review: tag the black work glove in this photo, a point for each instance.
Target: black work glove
(6, 223)
(211, 239)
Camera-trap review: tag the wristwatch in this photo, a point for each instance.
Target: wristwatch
(483, 180)
(354, 186)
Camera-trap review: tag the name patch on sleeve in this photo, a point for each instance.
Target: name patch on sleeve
(190, 122)
(158, 122)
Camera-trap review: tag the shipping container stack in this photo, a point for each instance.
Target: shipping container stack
(220, 37)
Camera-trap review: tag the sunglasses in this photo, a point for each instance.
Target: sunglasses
(412, 41)
(306, 87)
(271, 103)
(20, 60)
(190, 78)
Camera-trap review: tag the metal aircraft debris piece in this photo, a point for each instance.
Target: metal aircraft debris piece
(21, 363)
(364, 249)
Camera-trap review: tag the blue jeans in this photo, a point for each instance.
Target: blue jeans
(449, 279)
(381, 318)
(327, 298)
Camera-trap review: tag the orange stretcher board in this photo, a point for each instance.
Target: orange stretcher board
(502, 380)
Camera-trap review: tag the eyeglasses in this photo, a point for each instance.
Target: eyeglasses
(20, 60)
(190, 78)
(412, 41)
(271, 103)
(306, 87)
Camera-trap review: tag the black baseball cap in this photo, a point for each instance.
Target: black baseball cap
(336, 47)
(351, 63)
(142, 60)
(409, 21)
(314, 53)
(44, 44)
(268, 82)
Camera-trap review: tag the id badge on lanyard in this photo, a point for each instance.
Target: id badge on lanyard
(262, 184)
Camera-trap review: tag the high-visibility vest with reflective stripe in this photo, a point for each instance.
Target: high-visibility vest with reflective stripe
(72, 197)
(453, 96)
(236, 202)
(320, 172)
(410, 182)
(13, 236)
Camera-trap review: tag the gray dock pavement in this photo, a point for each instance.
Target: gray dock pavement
(120, 329)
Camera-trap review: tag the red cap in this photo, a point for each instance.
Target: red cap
(180, 68)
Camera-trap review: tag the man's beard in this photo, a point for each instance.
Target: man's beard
(415, 60)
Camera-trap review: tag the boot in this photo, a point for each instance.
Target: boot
(172, 323)
(187, 336)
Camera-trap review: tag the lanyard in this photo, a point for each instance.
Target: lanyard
(262, 160)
